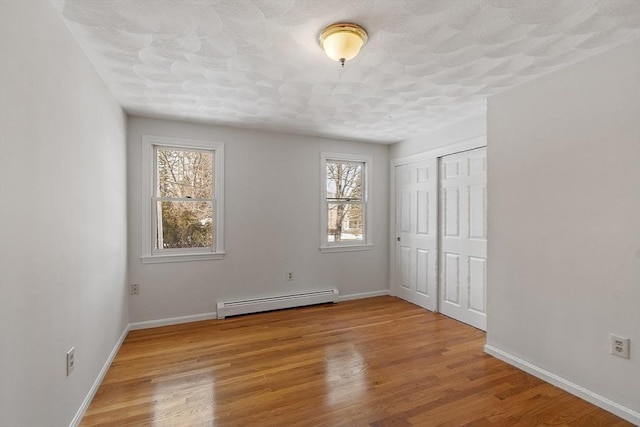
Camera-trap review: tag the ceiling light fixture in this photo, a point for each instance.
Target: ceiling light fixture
(342, 42)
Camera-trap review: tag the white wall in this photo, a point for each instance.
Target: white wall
(564, 222)
(471, 127)
(272, 223)
(62, 218)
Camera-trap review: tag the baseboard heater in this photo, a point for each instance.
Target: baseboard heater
(255, 305)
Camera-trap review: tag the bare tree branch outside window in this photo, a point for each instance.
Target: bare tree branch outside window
(184, 198)
(345, 200)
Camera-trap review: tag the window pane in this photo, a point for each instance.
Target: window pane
(186, 174)
(184, 225)
(344, 181)
(345, 222)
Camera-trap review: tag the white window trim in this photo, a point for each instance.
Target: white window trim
(148, 159)
(367, 244)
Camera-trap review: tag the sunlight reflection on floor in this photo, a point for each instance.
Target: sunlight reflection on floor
(346, 376)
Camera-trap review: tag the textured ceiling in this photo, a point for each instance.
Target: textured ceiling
(258, 64)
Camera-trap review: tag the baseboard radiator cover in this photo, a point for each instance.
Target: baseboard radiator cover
(256, 305)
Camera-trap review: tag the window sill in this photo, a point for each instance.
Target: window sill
(156, 259)
(345, 248)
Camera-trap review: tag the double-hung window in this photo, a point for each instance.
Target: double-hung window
(183, 204)
(346, 212)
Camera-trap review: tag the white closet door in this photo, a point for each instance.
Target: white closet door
(417, 233)
(463, 237)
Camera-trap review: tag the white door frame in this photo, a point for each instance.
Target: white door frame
(465, 145)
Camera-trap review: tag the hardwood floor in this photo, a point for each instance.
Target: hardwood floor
(371, 362)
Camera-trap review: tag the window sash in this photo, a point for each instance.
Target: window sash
(158, 246)
(345, 222)
(365, 242)
(363, 183)
(346, 203)
(157, 232)
(181, 199)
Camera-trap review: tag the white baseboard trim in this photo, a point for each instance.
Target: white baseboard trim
(213, 315)
(581, 392)
(363, 295)
(94, 388)
(172, 321)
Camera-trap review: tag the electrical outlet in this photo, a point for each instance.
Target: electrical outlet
(70, 360)
(289, 276)
(619, 346)
(135, 289)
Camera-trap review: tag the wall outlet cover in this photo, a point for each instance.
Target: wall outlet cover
(70, 360)
(620, 346)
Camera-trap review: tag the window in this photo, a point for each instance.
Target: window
(346, 213)
(183, 205)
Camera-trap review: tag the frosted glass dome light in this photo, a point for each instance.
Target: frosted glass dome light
(342, 42)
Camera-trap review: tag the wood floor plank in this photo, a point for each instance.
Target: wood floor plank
(372, 362)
